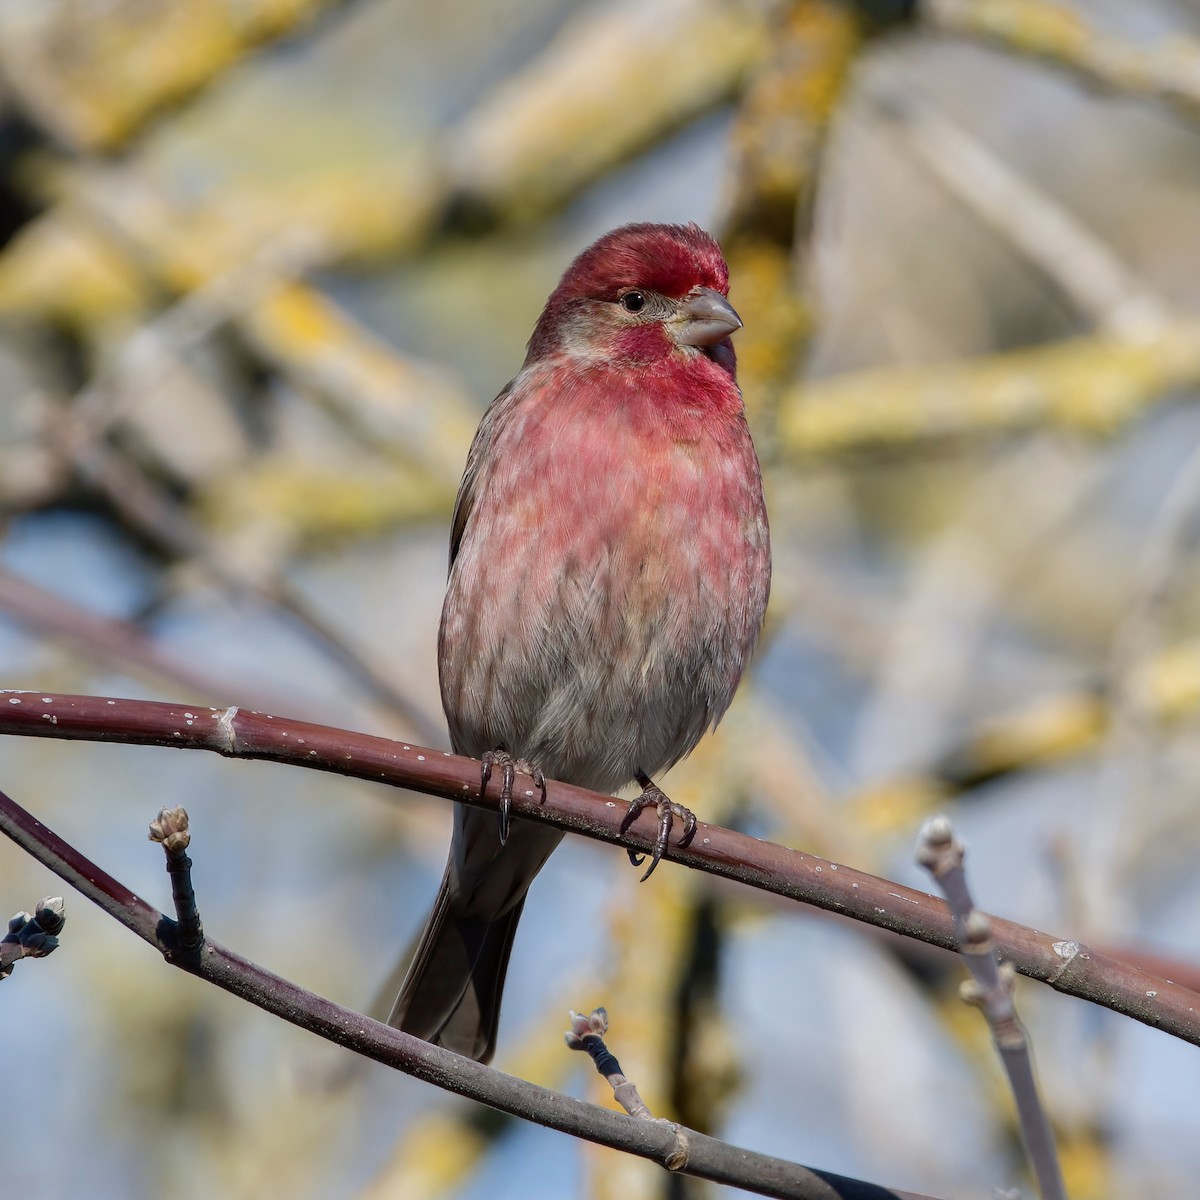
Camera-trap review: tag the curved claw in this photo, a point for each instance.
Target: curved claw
(666, 818)
(508, 774)
(506, 786)
(631, 814)
(667, 810)
(690, 825)
(503, 760)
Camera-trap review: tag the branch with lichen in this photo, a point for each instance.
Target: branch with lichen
(779, 132)
(1045, 233)
(1093, 386)
(93, 75)
(523, 150)
(1167, 70)
(1048, 730)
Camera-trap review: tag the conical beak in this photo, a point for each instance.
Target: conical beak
(706, 319)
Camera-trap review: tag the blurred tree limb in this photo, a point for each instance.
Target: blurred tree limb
(92, 75)
(1168, 70)
(779, 131)
(389, 400)
(583, 105)
(158, 516)
(1083, 266)
(1092, 385)
(1049, 730)
(560, 122)
(117, 644)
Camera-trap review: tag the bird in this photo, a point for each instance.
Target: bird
(609, 572)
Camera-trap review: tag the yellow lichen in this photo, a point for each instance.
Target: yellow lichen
(1091, 385)
(96, 73)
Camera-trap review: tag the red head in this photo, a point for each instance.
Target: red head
(639, 293)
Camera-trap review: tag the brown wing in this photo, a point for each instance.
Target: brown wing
(478, 452)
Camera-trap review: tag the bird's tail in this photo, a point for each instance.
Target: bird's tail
(451, 993)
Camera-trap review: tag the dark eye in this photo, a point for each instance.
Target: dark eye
(633, 302)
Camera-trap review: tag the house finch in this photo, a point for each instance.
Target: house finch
(609, 569)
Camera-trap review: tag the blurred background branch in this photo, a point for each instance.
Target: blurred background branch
(1063, 36)
(92, 76)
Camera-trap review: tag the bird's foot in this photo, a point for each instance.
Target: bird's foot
(668, 810)
(509, 767)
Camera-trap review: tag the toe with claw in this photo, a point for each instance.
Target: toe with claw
(509, 767)
(508, 772)
(668, 810)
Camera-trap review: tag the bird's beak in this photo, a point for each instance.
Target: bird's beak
(705, 318)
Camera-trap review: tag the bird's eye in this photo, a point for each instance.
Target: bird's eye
(633, 302)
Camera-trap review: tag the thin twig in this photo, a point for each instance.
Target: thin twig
(703, 1157)
(991, 991)
(1050, 237)
(32, 935)
(170, 830)
(1066, 965)
(587, 1034)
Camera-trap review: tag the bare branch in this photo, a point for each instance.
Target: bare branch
(1066, 965)
(991, 991)
(140, 59)
(684, 1151)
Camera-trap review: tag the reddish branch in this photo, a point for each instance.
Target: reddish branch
(1067, 966)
